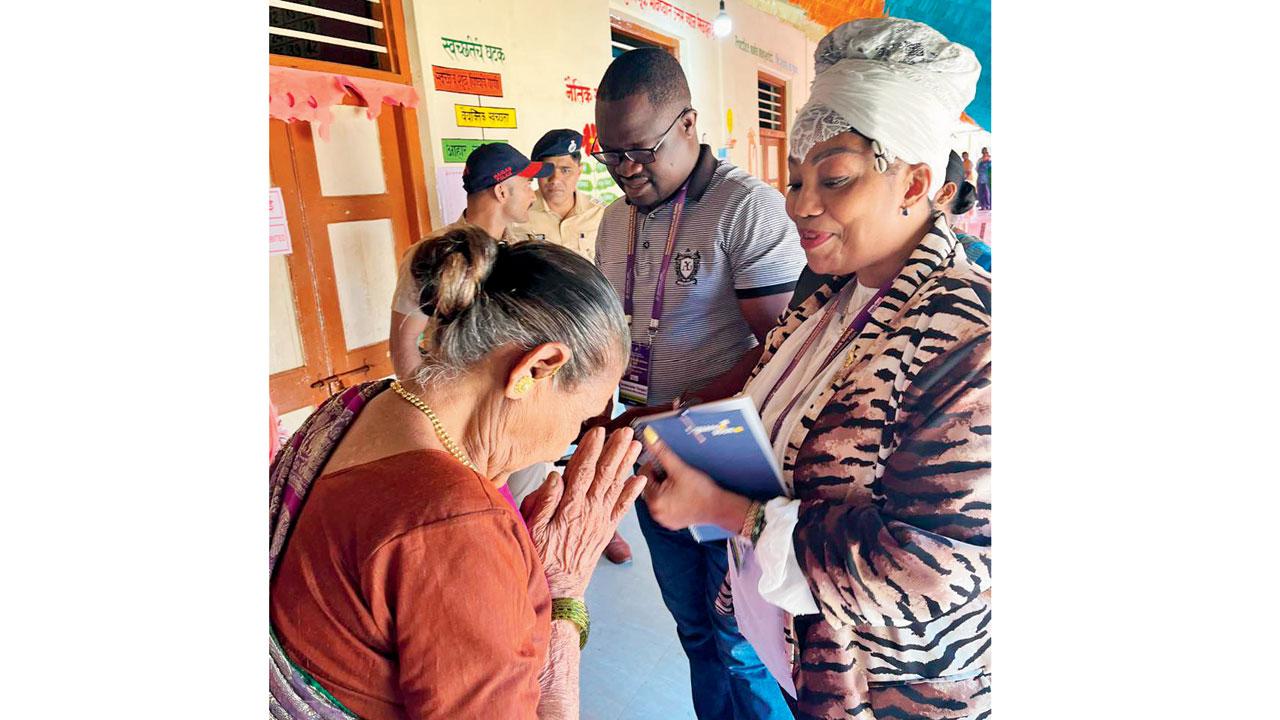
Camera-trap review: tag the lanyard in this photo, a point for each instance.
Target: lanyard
(628, 306)
(859, 321)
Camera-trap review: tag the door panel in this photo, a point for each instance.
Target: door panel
(347, 198)
(286, 338)
(364, 263)
(350, 161)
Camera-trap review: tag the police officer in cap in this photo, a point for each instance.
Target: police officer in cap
(561, 213)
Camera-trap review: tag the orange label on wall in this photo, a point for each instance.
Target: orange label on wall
(467, 82)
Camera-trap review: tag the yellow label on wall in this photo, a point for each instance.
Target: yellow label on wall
(484, 117)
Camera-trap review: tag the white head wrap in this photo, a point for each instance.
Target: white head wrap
(899, 83)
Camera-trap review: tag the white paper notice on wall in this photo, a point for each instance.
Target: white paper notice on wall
(453, 199)
(280, 241)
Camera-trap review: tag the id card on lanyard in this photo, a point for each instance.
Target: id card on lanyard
(634, 388)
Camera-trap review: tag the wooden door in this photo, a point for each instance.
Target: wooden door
(771, 104)
(349, 204)
(773, 158)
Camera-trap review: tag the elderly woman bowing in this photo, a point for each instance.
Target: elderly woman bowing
(404, 582)
(876, 394)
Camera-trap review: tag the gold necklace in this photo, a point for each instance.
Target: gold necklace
(449, 444)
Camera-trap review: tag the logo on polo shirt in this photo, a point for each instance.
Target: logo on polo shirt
(687, 264)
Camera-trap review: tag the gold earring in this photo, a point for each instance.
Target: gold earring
(524, 385)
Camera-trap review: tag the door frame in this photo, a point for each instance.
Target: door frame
(291, 389)
(644, 34)
(770, 137)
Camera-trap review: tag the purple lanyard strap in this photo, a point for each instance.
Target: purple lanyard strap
(859, 321)
(628, 305)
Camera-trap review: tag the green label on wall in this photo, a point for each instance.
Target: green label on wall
(456, 150)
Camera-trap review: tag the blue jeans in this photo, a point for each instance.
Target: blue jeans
(729, 681)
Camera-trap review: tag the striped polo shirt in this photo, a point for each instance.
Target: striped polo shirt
(734, 242)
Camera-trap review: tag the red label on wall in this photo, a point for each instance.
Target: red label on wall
(467, 82)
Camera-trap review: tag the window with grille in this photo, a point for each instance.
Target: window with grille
(349, 32)
(771, 100)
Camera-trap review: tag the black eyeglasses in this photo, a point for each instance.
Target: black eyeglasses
(643, 156)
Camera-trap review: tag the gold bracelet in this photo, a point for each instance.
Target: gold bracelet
(575, 611)
(759, 526)
(749, 523)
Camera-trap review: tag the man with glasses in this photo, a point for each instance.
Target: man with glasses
(704, 258)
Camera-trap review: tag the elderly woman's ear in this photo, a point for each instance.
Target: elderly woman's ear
(540, 363)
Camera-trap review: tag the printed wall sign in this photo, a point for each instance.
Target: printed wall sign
(279, 228)
(467, 82)
(578, 93)
(773, 59)
(456, 150)
(469, 48)
(484, 117)
(453, 199)
(597, 182)
(680, 15)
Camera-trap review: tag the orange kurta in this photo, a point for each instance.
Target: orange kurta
(410, 589)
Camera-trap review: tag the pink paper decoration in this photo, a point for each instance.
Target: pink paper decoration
(307, 96)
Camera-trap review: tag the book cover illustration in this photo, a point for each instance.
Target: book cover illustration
(726, 440)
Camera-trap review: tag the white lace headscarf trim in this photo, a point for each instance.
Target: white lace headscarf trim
(898, 82)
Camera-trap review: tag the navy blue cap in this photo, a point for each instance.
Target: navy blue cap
(491, 163)
(557, 142)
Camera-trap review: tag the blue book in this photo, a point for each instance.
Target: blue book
(724, 439)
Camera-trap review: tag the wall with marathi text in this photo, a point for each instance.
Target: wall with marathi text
(542, 50)
(540, 45)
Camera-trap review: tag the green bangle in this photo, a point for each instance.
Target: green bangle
(575, 611)
(754, 522)
(759, 527)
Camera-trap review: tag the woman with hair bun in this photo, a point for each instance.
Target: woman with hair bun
(404, 584)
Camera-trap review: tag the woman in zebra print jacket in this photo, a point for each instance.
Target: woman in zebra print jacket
(877, 393)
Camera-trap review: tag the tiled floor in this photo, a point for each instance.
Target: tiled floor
(633, 667)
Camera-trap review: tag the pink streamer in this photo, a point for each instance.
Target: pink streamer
(307, 96)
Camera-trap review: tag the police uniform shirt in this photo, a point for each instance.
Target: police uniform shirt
(576, 231)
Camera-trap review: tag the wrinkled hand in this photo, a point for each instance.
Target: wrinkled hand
(572, 518)
(687, 496)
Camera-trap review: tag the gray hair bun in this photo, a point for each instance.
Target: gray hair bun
(482, 294)
(452, 270)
